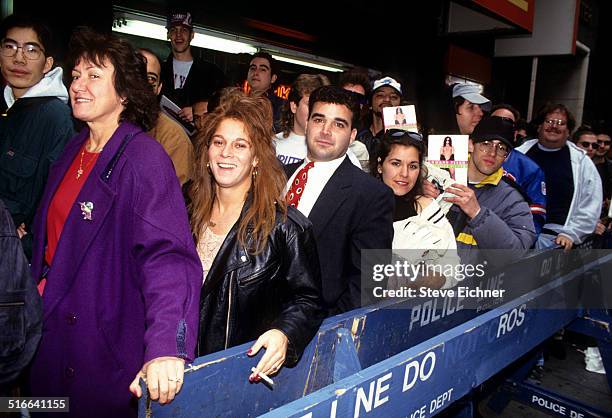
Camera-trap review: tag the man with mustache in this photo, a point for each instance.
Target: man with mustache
(386, 92)
(574, 193)
(350, 210)
(187, 80)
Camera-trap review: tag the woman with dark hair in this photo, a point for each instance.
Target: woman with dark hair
(400, 118)
(418, 222)
(447, 153)
(261, 268)
(116, 264)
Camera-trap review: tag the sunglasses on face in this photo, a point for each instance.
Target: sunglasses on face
(585, 144)
(399, 133)
(603, 143)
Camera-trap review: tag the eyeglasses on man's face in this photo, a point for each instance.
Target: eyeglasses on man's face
(30, 51)
(487, 147)
(398, 133)
(585, 144)
(603, 143)
(555, 122)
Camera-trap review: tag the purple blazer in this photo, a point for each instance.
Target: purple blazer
(124, 287)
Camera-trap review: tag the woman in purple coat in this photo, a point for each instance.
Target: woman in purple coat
(118, 269)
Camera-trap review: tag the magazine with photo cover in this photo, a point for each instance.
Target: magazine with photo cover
(400, 117)
(449, 153)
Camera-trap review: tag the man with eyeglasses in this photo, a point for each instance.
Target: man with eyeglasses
(574, 193)
(490, 213)
(36, 121)
(187, 80)
(166, 131)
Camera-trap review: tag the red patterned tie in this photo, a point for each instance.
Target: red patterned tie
(297, 187)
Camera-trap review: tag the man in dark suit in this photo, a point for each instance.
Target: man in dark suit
(349, 209)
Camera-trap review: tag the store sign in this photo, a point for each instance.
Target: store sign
(281, 90)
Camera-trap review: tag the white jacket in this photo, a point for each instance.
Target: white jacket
(585, 208)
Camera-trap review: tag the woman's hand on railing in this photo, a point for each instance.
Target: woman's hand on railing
(275, 343)
(163, 376)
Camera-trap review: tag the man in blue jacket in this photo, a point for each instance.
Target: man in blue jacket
(524, 172)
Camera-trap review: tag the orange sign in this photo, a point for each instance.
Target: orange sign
(519, 12)
(281, 90)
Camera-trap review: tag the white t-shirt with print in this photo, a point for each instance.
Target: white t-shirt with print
(181, 71)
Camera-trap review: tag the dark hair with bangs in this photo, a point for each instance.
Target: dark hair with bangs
(394, 138)
(130, 78)
(44, 34)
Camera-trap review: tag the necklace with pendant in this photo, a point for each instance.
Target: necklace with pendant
(82, 168)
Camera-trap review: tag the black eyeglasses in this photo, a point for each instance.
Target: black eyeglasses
(585, 144)
(399, 133)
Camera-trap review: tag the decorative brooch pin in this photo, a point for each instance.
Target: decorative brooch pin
(87, 210)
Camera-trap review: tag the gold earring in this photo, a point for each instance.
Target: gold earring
(208, 167)
(254, 172)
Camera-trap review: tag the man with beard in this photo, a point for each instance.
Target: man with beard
(490, 213)
(386, 92)
(350, 210)
(187, 80)
(574, 193)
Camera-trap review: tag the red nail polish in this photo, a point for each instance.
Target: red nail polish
(249, 352)
(257, 378)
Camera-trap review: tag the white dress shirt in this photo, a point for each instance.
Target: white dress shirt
(318, 176)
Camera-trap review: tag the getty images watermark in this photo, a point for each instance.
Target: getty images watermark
(405, 277)
(482, 279)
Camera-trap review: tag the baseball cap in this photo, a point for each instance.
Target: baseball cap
(387, 81)
(494, 127)
(176, 19)
(471, 92)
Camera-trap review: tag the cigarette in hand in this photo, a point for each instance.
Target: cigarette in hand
(263, 376)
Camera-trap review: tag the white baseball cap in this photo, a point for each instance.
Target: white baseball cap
(387, 81)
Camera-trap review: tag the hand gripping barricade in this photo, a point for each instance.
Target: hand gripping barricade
(390, 360)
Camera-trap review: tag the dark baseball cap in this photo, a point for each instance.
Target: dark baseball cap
(494, 127)
(176, 19)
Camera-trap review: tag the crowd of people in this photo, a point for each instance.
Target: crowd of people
(149, 246)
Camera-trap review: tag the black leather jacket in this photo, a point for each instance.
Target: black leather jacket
(244, 295)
